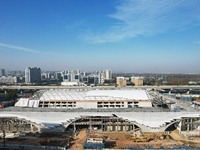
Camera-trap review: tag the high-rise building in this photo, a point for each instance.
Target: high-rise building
(32, 75)
(138, 81)
(71, 76)
(58, 76)
(108, 74)
(101, 76)
(2, 72)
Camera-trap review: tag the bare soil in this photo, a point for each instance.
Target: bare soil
(79, 141)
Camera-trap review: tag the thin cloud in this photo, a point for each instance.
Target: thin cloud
(19, 48)
(28, 50)
(149, 17)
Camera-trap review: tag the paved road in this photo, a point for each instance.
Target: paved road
(100, 87)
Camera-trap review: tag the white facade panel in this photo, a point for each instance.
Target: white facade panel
(145, 104)
(86, 104)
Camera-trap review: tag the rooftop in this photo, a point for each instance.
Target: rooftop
(95, 95)
(151, 119)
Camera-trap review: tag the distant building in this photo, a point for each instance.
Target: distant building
(71, 77)
(138, 81)
(32, 75)
(194, 82)
(101, 77)
(58, 76)
(11, 79)
(50, 75)
(44, 75)
(90, 79)
(108, 74)
(2, 72)
(121, 81)
(8, 79)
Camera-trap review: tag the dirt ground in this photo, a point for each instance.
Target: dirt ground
(80, 139)
(119, 140)
(123, 140)
(191, 140)
(37, 140)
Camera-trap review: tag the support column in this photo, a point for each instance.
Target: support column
(90, 124)
(110, 124)
(125, 126)
(9, 126)
(117, 125)
(25, 127)
(188, 125)
(102, 124)
(74, 130)
(31, 125)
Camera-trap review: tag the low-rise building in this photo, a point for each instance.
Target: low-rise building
(11, 79)
(121, 81)
(196, 103)
(138, 81)
(89, 99)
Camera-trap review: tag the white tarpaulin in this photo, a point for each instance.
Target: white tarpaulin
(25, 102)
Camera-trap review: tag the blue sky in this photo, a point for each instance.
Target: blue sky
(160, 36)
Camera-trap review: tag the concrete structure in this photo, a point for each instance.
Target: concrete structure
(196, 103)
(32, 75)
(88, 99)
(187, 87)
(12, 124)
(121, 81)
(105, 121)
(70, 83)
(138, 81)
(187, 124)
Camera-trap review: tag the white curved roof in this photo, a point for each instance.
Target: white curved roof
(127, 94)
(151, 119)
(95, 95)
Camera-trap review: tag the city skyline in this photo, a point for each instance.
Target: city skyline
(125, 36)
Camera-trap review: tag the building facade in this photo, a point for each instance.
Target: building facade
(138, 81)
(108, 74)
(121, 81)
(71, 76)
(32, 75)
(2, 72)
(89, 99)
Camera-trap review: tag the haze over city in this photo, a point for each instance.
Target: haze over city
(123, 35)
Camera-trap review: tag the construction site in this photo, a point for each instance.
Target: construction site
(113, 132)
(99, 139)
(100, 131)
(86, 125)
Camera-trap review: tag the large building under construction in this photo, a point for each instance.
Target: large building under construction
(89, 112)
(104, 121)
(88, 99)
